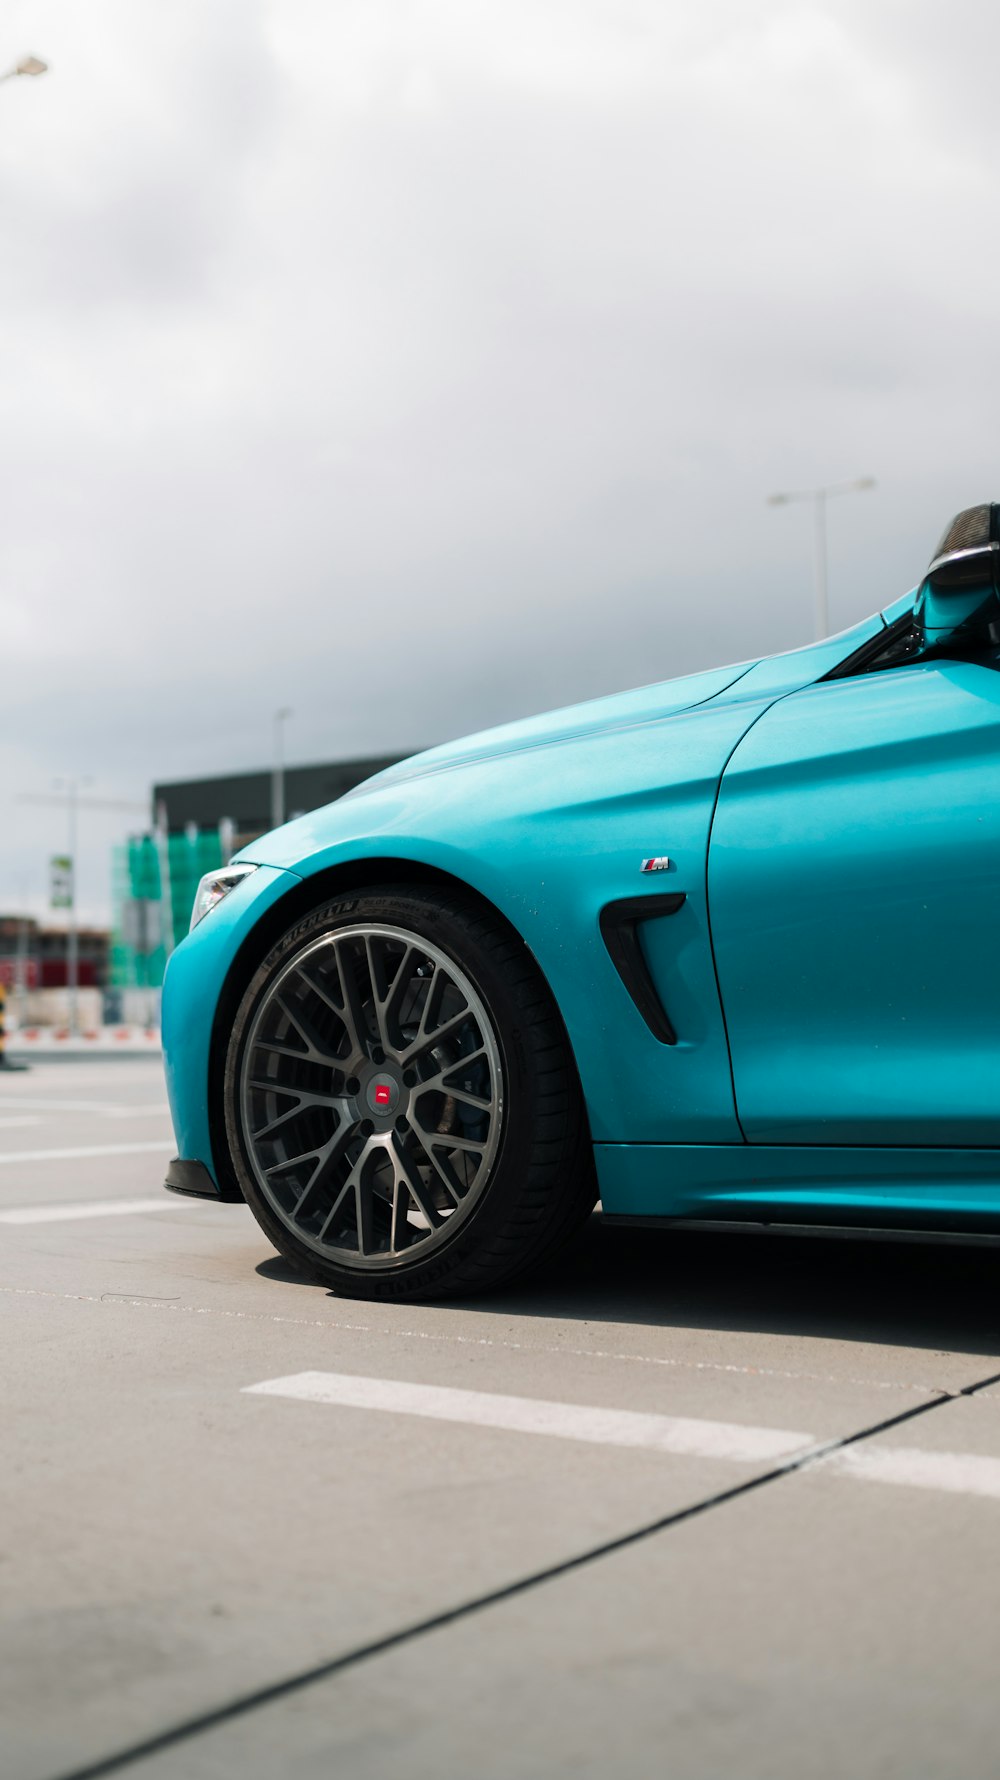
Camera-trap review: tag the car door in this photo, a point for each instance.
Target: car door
(854, 901)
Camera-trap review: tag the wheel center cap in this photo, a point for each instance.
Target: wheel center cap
(382, 1095)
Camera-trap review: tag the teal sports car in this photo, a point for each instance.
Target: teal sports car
(726, 948)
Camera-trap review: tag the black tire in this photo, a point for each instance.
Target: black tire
(532, 1175)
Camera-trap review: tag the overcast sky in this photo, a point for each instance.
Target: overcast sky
(421, 363)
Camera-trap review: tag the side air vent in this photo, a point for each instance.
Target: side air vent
(619, 923)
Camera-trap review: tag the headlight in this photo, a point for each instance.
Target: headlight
(214, 886)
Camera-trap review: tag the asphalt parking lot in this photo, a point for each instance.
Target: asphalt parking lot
(693, 1505)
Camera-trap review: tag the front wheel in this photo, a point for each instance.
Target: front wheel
(402, 1108)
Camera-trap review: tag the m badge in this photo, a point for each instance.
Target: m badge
(661, 863)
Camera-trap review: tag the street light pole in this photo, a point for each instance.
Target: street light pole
(819, 498)
(72, 790)
(67, 792)
(21, 971)
(21, 955)
(73, 948)
(278, 770)
(822, 590)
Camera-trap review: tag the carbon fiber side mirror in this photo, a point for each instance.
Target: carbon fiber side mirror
(961, 589)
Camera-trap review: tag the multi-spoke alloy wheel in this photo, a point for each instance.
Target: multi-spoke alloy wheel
(386, 1132)
(372, 1094)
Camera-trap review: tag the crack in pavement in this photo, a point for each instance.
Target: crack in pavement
(560, 1349)
(319, 1672)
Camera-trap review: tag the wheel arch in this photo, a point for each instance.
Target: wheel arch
(307, 894)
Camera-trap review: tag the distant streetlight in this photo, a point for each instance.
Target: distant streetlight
(819, 498)
(278, 770)
(67, 793)
(70, 788)
(31, 65)
(21, 956)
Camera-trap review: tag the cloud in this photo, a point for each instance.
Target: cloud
(416, 363)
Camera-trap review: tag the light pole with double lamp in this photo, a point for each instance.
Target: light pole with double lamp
(278, 769)
(819, 498)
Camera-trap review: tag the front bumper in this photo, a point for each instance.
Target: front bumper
(196, 976)
(191, 1177)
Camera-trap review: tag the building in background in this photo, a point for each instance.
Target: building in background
(35, 957)
(140, 922)
(198, 824)
(34, 968)
(242, 801)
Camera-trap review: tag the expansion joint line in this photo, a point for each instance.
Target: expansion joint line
(350, 1659)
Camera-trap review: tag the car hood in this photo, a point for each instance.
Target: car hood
(596, 716)
(626, 710)
(387, 793)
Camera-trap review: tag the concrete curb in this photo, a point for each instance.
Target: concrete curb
(31, 1040)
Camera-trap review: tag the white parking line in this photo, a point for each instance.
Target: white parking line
(956, 1473)
(100, 1149)
(533, 1415)
(92, 1208)
(960, 1473)
(110, 1110)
